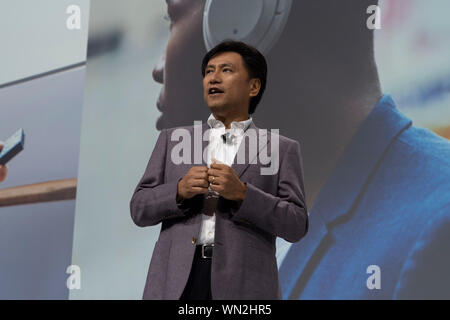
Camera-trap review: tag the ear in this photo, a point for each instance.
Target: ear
(255, 85)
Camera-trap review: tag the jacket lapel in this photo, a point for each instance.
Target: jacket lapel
(263, 140)
(205, 142)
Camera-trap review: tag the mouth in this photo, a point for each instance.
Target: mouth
(215, 92)
(160, 123)
(159, 104)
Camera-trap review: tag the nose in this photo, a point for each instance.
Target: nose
(158, 70)
(214, 78)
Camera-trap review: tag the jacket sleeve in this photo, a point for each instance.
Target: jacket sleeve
(284, 215)
(153, 199)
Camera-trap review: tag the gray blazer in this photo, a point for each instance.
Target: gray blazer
(244, 264)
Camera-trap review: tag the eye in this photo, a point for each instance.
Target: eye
(226, 69)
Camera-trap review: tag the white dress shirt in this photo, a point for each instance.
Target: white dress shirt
(224, 152)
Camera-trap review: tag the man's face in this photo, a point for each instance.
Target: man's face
(226, 72)
(180, 100)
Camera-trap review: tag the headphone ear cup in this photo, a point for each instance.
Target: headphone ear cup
(256, 22)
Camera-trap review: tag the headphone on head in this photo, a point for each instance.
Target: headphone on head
(256, 22)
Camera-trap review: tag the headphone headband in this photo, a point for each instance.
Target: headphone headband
(256, 22)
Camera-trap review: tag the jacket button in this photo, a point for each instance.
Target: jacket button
(194, 240)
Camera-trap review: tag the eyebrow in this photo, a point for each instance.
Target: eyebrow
(220, 65)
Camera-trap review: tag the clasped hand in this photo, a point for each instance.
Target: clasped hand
(219, 177)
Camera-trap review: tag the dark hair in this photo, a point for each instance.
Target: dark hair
(254, 62)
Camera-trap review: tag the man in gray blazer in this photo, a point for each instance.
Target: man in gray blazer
(220, 214)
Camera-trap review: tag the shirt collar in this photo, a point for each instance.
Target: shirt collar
(216, 124)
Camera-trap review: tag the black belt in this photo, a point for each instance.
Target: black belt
(205, 250)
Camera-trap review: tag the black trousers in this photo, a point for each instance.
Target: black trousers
(198, 286)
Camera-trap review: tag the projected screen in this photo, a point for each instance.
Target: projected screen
(363, 88)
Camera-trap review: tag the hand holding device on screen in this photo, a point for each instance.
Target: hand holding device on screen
(3, 169)
(9, 150)
(12, 146)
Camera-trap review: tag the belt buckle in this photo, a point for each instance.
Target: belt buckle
(203, 250)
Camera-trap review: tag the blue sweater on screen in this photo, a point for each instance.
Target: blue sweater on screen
(387, 204)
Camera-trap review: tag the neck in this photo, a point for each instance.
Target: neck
(323, 108)
(324, 124)
(325, 144)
